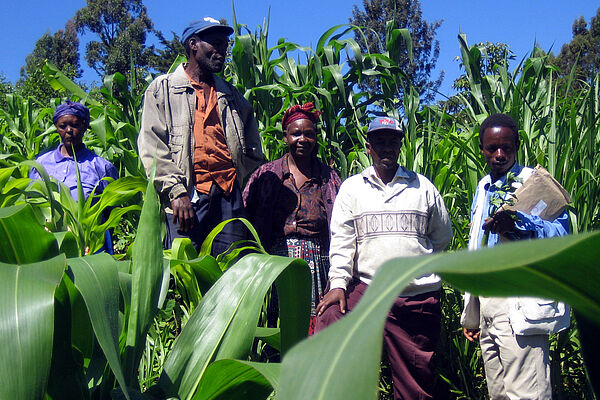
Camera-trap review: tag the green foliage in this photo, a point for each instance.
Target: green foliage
(503, 196)
(404, 14)
(118, 301)
(57, 211)
(273, 80)
(121, 27)
(493, 55)
(60, 49)
(34, 84)
(88, 219)
(163, 58)
(5, 88)
(581, 56)
(25, 129)
(26, 319)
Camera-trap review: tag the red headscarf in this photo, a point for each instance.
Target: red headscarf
(305, 111)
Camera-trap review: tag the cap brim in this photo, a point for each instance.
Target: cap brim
(227, 30)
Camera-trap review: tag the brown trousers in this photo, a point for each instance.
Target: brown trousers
(410, 336)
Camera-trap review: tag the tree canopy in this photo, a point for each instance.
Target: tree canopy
(407, 14)
(62, 50)
(164, 56)
(121, 27)
(583, 50)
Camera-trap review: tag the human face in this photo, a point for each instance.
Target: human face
(384, 149)
(301, 138)
(71, 129)
(209, 50)
(499, 149)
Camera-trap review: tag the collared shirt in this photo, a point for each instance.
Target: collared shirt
(212, 159)
(303, 206)
(373, 222)
(92, 168)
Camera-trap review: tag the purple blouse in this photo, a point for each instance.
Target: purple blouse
(92, 168)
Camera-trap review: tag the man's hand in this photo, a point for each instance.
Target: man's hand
(334, 296)
(471, 334)
(500, 223)
(183, 213)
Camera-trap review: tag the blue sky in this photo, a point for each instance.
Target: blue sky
(517, 22)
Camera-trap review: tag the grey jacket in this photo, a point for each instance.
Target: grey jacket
(167, 132)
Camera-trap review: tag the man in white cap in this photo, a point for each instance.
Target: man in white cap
(204, 137)
(382, 213)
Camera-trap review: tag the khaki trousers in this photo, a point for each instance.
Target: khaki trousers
(516, 366)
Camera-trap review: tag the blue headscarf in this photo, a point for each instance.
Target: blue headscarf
(71, 108)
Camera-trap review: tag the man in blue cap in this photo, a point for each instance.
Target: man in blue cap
(382, 213)
(204, 137)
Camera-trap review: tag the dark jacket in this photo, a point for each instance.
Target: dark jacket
(264, 190)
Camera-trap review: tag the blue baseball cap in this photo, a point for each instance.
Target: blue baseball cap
(203, 25)
(385, 124)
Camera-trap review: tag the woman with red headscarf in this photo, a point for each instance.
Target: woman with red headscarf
(289, 200)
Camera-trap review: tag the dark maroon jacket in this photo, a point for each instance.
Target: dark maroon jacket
(265, 190)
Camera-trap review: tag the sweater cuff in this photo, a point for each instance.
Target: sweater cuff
(338, 283)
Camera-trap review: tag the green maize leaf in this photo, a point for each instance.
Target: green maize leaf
(207, 244)
(235, 379)
(22, 238)
(125, 286)
(238, 295)
(147, 271)
(95, 232)
(561, 268)
(82, 333)
(588, 334)
(98, 127)
(270, 336)
(67, 243)
(5, 174)
(325, 36)
(398, 41)
(178, 60)
(14, 187)
(227, 259)
(182, 249)
(27, 326)
(96, 277)
(187, 285)
(194, 275)
(66, 380)
(59, 81)
(116, 193)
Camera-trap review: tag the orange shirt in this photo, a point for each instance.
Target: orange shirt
(212, 159)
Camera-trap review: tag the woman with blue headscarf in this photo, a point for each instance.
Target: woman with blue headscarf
(72, 120)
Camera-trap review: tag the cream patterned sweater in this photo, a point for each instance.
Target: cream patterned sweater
(373, 222)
